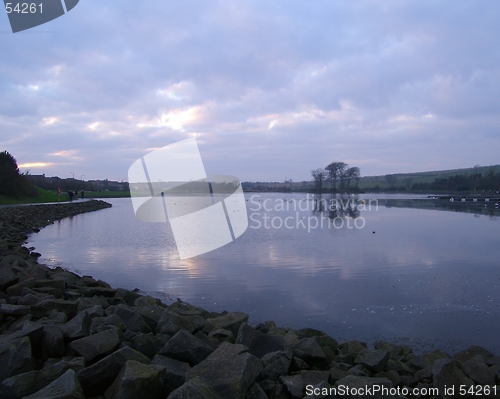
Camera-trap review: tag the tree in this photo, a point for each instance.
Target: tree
(350, 174)
(12, 182)
(319, 176)
(391, 180)
(335, 171)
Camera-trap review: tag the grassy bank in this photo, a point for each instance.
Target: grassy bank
(41, 197)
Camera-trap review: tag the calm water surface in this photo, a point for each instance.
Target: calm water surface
(426, 277)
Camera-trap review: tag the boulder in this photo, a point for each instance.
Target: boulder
(477, 369)
(196, 388)
(171, 323)
(133, 321)
(96, 345)
(67, 307)
(175, 373)
(52, 341)
(14, 310)
(475, 350)
(374, 359)
(95, 379)
(294, 385)
(187, 348)
(65, 387)
(447, 372)
(230, 321)
(275, 364)
(147, 344)
(257, 342)
(15, 357)
(230, 370)
(77, 327)
(309, 350)
(137, 380)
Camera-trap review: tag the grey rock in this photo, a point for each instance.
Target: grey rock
(290, 338)
(477, 369)
(395, 378)
(187, 348)
(258, 343)
(28, 383)
(95, 311)
(222, 335)
(65, 387)
(230, 321)
(427, 359)
(67, 307)
(196, 388)
(14, 310)
(337, 374)
(313, 377)
(309, 350)
(85, 303)
(374, 359)
(95, 379)
(229, 369)
(16, 289)
(352, 346)
(175, 373)
(96, 345)
(151, 314)
(255, 392)
(7, 278)
(475, 350)
(52, 341)
(171, 323)
(100, 324)
(146, 301)
(58, 284)
(298, 364)
(275, 364)
(446, 372)
(132, 319)
(128, 296)
(97, 291)
(77, 327)
(18, 386)
(294, 385)
(15, 357)
(360, 370)
(137, 380)
(147, 344)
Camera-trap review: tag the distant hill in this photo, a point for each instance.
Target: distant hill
(404, 179)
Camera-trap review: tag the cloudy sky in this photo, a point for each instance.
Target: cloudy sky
(270, 89)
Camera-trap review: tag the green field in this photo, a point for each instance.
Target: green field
(42, 196)
(403, 179)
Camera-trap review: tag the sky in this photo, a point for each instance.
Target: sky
(269, 89)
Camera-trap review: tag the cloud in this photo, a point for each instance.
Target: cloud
(270, 89)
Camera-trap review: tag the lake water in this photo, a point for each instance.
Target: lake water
(400, 272)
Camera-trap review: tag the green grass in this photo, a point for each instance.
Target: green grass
(42, 196)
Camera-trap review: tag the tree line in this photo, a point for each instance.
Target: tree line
(460, 182)
(13, 183)
(335, 173)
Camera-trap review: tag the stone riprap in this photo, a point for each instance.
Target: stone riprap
(69, 336)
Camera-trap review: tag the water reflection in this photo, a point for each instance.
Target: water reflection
(425, 275)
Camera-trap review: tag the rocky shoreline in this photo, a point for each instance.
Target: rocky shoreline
(67, 336)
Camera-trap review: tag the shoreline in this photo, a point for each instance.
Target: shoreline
(79, 336)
